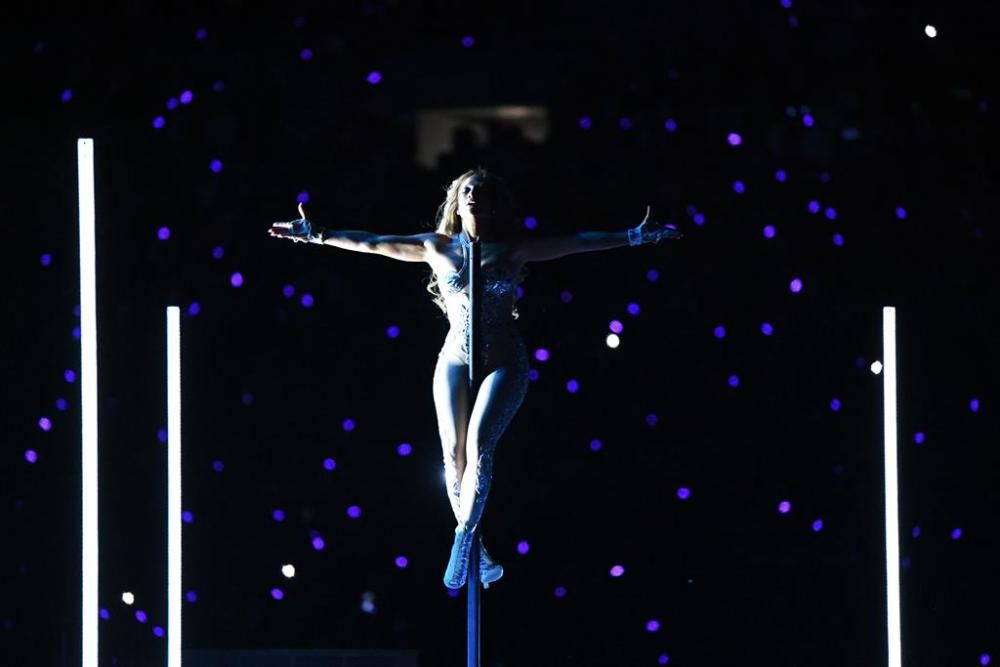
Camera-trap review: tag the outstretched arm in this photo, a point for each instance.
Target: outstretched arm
(648, 231)
(404, 248)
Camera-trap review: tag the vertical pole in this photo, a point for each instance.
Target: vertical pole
(472, 581)
(174, 594)
(891, 487)
(88, 401)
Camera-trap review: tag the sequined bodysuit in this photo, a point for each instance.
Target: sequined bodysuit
(502, 351)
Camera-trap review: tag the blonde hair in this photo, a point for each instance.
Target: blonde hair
(449, 223)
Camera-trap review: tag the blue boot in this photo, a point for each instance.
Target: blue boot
(458, 563)
(489, 569)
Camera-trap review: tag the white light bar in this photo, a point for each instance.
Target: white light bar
(88, 402)
(891, 486)
(174, 591)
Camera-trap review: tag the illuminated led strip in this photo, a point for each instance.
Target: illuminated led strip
(88, 402)
(891, 486)
(174, 593)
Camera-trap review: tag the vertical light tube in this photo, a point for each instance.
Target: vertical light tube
(174, 593)
(891, 487)
(88, 402)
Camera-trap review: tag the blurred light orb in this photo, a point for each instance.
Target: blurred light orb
(612, 341)
(930, 31)
(288, 570)
(876, 367)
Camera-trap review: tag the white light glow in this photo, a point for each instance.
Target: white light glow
(174, 590)
(128, 598)
(891, 488)
(876, 367)
(930, 31)
(613, 341)
(88, 395)
(288, 570)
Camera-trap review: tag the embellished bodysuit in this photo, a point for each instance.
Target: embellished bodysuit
(504, 363)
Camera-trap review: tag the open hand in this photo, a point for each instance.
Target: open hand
(297, 230)
(652, 230)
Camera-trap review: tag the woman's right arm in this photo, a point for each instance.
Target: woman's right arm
(413, 248)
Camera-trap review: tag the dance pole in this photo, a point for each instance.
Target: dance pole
(88, 402)
(475, 304)
(891, 487)
(174, 595)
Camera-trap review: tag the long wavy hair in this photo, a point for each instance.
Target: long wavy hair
(448, 222)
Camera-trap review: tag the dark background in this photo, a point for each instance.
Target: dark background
(901, 120)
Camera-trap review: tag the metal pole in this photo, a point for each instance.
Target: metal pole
(472, 583)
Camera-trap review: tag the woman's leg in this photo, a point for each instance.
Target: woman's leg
(498, 398)
(451, 403)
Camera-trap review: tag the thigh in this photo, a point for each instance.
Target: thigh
(500, 395)
(451, 402)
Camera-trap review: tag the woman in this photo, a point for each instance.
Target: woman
(477, 206)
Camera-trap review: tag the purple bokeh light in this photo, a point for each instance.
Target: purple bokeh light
(633, 309)
(200, 34)
(140, 616)
(901, 213)
(617, 571)
(61, 404)
(401, 562)
(163, 233)
(781, 176)
(329, 464)
(31, 456)
(652, 625)
(796, 285)
(625, 123)
(288, 291)
(615, 326)
(838, 239)
(158, 631)
(187, 517)
(194, 308)
(807, 118)
(974, 404)
(784, 507)
(69, 375)
(236, 279)
(161, 435)
(348, 425)
(307, 300)
(374, 78)
(652, 275)
(218, 86)
(306, 54)
(66, 96)
(719, 332)
(523, 547)
(585, 123)
(218, 252)
(738, 187)
(814, 206)
(830, 213)
(734, 381)
(186, 97)
(683, 493)
(278, 515)
(734, 139)
(317, 543)
(560, 592)
(468, 41)
(530, 222)
(215, 165)
(191, 596)
(45, 424)
(172, 103)
(670, 125)
(218, 466)
(104, 613)
(541, 354)
(159, 122)
(956, 533)
(835, 404)
(392, 331)
(277, 594)
(404, 449)
(45, 259)
(651, 419)
(769, 231)
(572, 386)
(766, 328)
(354, 511)
(919, 437)
(817, 525)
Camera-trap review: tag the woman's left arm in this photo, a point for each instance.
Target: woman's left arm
(540, 250)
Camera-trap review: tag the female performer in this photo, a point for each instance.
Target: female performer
(477, 207)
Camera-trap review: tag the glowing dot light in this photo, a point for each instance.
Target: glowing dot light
(317, 543)
(530, 222)
(901, 213)
(652, 625)
(163, 233)
(615, 326)
(31, 456)
(67, 95)
(218, 466)
(523, 547)
(218, 86)
(734, 139)
(186, 97)
(919, 437)
(218, 252)
(374, 77)
(128, 598)
(835, 404)
(651, 419)
(560, 592)
(541, 354)
(956, 533)
(392, 331)
(663, 659)
(329, 464)
(61, 404)
(652, 275)
(625, 123)
(612, 341)
(45, 424)
(191, 596)
(69, 375)
(159, 122)
(277, 594)
(354, 511)
(781, 176)
(348, 425)
(734, 381)
(633, 309)
(468, 41)
(158, 631)
(572, 386)
(930, 31)
(278, 515)
(401, 562)
(814, 206)
(784, 507)
(769, 231)
(974, 405)
(683, 493)
(585, 123)
(617, 571)
(876, 367)
(236, 279)
(306, 54)
(830, 213)
(766, 328)
(817, 525)
(807, 120)
(215, 165)
(719, 332)
(738, 187)
(140, 616)
(288, 291)
(670, 125)
(200, 34)
(838, 240)
(595, 445)
(104, 613)
(404, 449)
(796, 285)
